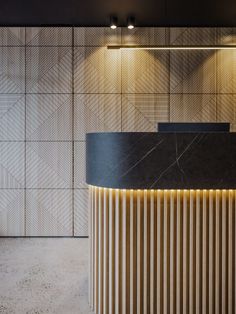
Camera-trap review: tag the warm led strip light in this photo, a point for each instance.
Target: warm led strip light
(146, 47)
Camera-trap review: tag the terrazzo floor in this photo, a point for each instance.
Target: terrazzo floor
(44, 275)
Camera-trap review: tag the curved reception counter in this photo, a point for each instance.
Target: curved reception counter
(162, 222)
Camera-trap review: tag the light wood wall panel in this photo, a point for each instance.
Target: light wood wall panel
(96, 113)
(142, 111)
(96, 36)
(12, 215)
(162, 251)
(145, 71)
(12, 117)
(145, 36)
(48, 69)
(49, 165)
(195, 108)
(49, 212)
(48, 117)
(96, 70)
(57, 83)
(48, 36)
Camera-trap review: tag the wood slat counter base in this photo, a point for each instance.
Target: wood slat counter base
(162, 251)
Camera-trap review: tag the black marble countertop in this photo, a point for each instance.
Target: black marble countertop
(161, 160)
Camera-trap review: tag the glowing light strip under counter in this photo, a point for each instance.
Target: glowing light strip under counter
(150, 47)
(166, 190)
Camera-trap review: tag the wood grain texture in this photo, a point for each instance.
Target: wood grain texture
(114, 91)
(170, 251)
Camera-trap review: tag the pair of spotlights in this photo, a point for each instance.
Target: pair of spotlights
(114, 22)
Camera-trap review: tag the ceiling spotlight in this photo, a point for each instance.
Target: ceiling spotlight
(130, 22)
(113, 22)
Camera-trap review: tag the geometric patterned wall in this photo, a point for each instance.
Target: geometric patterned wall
(56, 84)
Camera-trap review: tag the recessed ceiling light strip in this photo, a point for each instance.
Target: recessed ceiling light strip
(145, 47)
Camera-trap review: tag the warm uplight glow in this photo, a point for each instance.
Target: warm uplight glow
(113, 26)
(133, 47)
(130, 26)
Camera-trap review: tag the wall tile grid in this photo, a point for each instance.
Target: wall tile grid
(56, 84)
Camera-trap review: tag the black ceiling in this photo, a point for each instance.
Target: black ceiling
(97, 12)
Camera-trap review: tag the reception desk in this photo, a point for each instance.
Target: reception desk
(162, 222)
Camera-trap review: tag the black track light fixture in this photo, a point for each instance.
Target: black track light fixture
(131, 22)
(113, 22)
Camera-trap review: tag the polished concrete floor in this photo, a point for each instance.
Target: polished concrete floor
(40, 275)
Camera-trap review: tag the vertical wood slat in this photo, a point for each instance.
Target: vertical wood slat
(192, 250)
(105, 252)
(159, 252)
(146, 252)
(166, 255)
(139, 253)
(133, 252)
(185, 252)
(211, 252)
(217, 252)
(198, 252)
(230, 252)
(153, 264)
(118, 265)
(172, 299)
(91, 239)
(100, 250)
(111, 279)
(179, 253)
(162, 251)
(96, 250)
(124, 251)
(205, 254)
(224, 253)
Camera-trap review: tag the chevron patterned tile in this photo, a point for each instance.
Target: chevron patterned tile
(12, 165)
(12, 117)
(145, 71)
(192, 36)
(49, 117)
(81, 212)
(12, 36)
(49, 165)
(226, 71)
(97, 70)
(12, 70)
(226, 108)
(193, 71)
(142, 112)
(145, 36)
(96, 113)
(49, 36)
(225, 35)
(12, 208)
(193, 108)
(80, 165)
(48, 212)
(96, 36)
(49, 69)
